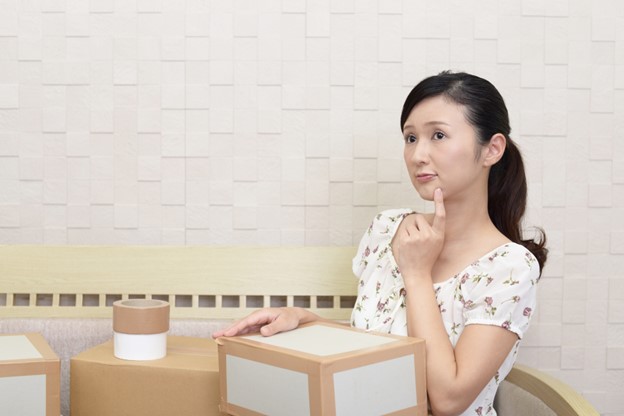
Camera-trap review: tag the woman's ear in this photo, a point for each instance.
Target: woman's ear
(495, 149)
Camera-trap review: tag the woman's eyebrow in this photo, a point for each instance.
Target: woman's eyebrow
(428, 123)
(436, 122)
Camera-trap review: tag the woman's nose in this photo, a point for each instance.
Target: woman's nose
(420, 153)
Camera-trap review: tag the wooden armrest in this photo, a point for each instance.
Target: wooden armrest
(557, 395)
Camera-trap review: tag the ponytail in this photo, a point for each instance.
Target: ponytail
(507, 197)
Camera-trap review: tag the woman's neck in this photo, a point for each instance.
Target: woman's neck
(468, 221)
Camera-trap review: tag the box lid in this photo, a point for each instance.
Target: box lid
(323, 340)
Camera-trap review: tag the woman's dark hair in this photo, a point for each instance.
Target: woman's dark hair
(485, 110)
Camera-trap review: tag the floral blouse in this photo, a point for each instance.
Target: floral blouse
(497, 289)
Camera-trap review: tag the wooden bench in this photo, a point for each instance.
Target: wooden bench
(67, 292)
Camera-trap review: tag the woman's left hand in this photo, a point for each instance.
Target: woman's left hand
(419, 244)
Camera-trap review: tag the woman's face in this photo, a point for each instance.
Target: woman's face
(442, 151)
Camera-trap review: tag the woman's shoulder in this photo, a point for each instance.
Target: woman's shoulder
(387, 221)
(382, 229)
(506, 258)
(512, 252)
(393, 216)
(375, 242)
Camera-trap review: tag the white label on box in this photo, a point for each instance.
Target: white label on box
(17, 347)
(323, 340)
(23, 395)
(266, 389)
(376, 389)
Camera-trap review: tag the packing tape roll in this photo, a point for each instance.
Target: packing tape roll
(140, 329)
(141, 316)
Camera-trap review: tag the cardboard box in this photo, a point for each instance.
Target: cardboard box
(185, 382)
(30, 376)
(323, 369)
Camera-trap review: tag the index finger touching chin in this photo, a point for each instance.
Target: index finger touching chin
(438, 198)
(440, 212)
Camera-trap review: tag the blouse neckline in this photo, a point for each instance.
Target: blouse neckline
(449, 279)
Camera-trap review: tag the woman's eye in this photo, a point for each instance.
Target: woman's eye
(439, 135)
(410, 138)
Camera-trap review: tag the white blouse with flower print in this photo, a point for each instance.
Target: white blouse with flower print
(497, 289)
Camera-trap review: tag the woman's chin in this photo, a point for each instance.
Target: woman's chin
(426, 195)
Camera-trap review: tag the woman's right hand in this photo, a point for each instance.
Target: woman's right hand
(418, 244)
(269, 321)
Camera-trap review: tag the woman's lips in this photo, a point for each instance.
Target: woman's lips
(426, 177)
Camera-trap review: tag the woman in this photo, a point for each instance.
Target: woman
(462, 278)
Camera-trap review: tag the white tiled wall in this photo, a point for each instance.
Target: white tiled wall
(276, 122)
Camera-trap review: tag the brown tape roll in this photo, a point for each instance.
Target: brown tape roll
(141, 316)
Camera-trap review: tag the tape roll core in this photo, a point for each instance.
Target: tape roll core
(140, 316)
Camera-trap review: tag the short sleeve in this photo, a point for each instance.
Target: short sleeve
(359, 261)
(380, 302)
(502, 289)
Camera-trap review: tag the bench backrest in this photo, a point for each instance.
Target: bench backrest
(198, 282)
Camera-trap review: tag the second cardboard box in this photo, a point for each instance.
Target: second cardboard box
(323, 369)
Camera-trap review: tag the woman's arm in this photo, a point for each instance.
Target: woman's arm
(454, 376)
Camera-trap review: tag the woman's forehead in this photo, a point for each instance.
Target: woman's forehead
(436, 110)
